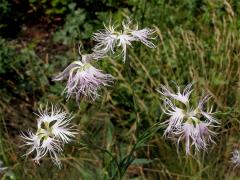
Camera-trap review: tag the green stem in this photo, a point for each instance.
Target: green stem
(91, 145)
(130, 81)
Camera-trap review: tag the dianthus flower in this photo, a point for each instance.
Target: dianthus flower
(53, 131)
(83, 79)
(109, 38)
(188, 124)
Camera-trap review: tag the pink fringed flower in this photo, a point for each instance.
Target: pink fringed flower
(83, 80)
(207, 114)
(188, 124)
(197, 135)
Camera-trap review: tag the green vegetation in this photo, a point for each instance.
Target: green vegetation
(197, 41)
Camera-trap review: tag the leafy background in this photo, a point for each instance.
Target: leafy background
(197, 41)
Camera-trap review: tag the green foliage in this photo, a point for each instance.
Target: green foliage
(75, 27)
(52, 7)
(23, 75)
(6, 54)
(4, 9)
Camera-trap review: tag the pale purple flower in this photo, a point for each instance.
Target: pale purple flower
(207, 114)
(83, 80)
(188, 124)
(179, 96)
(235, 159)
(195, 133)
(53, 131)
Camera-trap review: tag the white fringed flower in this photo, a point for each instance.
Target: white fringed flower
(31, 139)
(124, 40)
(235, 159)
(57, 122)
(188, 124)
(108, 39)
(83, 80)
(54, 130)
(143, 36)
(176, 116)
(50, 146)
(182, 97)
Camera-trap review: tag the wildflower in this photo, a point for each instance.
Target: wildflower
(182, 97)
(53, 131)
(195, 133)
(109, 38)
(186, 123)
(207, 114)
(176, 116)
(106, 40)
(57, 122)
(83, 79)
(143, 36)
(125, 40)
(235, 159)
